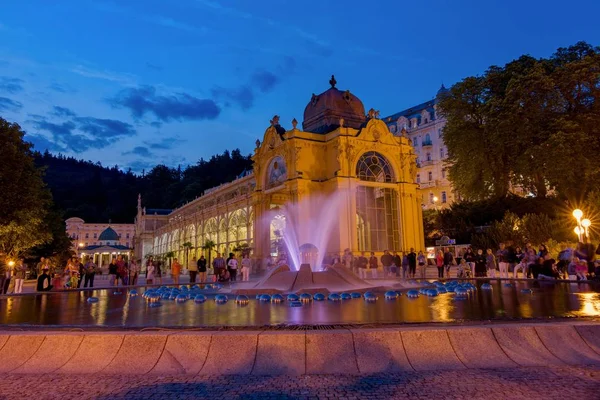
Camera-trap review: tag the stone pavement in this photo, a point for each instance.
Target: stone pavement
(514, 383)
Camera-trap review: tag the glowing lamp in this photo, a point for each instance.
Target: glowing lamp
(577, 213)
(586, 223)
(577, 231)
(11, 263)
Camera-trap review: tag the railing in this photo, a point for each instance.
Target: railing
(427, 143)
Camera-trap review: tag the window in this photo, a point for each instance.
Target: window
(127, 236)
(87, 235)
(95, 235)
(418, 178)
(443, 197)
(442, 152)
(428, 156)
(373, 167)
(428, 138)
(86, 243)
(430, 176)
(377, 219)
(443, 172)
(431, 197)
(439, 133)
(415, 141)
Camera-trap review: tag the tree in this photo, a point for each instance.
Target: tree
(532, 124)
(170, 255)
(25, 200)
(208, 246)
(187, 246)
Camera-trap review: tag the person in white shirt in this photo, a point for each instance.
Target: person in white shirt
(246, 266)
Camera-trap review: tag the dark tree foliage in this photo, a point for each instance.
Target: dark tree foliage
(97, 194)
(531, 124)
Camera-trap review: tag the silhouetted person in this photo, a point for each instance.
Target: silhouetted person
(43, 281)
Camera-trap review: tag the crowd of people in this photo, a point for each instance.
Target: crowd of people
(395, 264)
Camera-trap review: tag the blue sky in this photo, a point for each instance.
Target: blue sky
(141, 82)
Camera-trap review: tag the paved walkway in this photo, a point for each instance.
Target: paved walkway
(516, 383)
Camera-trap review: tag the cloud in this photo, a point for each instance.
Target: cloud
(164, 144)
(62, 112)
(41, 144)
(83, 133)
(139, 151)
(141, 165)
(11, 85)
(264, 80)
(261, 80)
(154, 66)
(61, 88)
(180, 106)
(105, 128)
(160, 20)
(7, 104)
(156, 124)
(243, 96)
(111, 76)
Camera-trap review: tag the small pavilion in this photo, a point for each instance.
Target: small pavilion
(110, 246)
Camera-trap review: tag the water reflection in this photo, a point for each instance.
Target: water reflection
(502, 302)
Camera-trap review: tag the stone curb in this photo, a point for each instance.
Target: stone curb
(354, 352)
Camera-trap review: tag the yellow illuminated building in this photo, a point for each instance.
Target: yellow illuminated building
(339, 152)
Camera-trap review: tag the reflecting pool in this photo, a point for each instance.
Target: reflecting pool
(499, 301)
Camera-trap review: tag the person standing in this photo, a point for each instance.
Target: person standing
(480, 264)
(202, 269)
(158, 272)
(121, 270)
(373, 265)
(90, 273)
(397, 264)
(232, 266)
(112, 272)
(448, 261)
(439, 263)
(81, 271)
(502, 255)
(193, 269)
(40, 266)
(19, 274)
(3, 273)
(246, 267)
(134, 272)
(405, 266)
(218, 265)
(150, 271)
(422, 261)
(470, 259)
(363, 263)
(412, 262)
(175, 271)
(490, 264)
(387, 260)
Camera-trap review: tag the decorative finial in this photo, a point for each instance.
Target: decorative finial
(109, 222)
(139, 200)
(342, 122)
(332, 81)
(294, 123)
(371, 113)
(376, 115)
(275, 120)
(257, 143)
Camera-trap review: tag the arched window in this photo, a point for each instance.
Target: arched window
(427, 138)
(373, 167)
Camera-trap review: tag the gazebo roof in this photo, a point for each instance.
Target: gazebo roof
(104, 248)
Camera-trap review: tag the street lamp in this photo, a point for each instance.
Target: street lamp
(582, 225)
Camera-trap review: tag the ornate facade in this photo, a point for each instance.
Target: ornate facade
(423, 125)
(339, 152)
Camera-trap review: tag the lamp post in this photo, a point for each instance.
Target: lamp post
(435, 200)
(583, 225)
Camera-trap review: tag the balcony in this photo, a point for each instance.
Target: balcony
(425, 163)
(427, 143)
